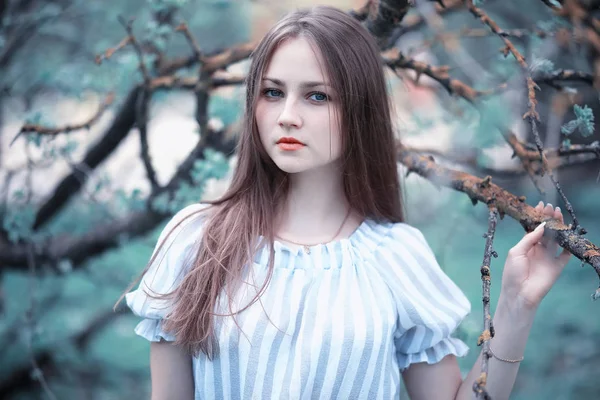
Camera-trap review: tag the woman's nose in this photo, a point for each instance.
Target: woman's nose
(289, 117)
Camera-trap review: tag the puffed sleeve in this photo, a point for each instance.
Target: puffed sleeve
(429, 304)
(174, 257)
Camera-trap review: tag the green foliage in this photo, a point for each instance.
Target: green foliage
(541, 65)
(584, 121)
(214, 166)
(226, 109)
(19, 222)
(130, 202)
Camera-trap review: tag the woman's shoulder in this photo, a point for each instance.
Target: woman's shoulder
(189, 212)
(189, 215)
(376, 238)
(389, 231)
(185, 227)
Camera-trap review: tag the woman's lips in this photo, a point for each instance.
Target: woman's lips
(290, 144)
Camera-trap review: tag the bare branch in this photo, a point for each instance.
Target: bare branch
(384, 16)
(142, 124)
(20, 378)
(532, 114)
(507, 203)
(479, 387)
(30, 326)
(44, 130)
(557, 158)
(191, 83)
(563, 75)
(413, 22)
(108, 53)
(191, 40)
(227, 57)
(128, 25)
(395, 59)
(78, 249)
(71, 184)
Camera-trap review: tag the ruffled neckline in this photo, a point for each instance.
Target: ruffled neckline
(334, 254)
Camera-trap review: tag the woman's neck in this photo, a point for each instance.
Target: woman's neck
(315, 208)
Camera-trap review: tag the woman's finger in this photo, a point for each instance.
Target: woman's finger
(558, 215)
(539, 206)
(529, 240)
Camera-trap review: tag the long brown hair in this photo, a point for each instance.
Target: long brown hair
(258, 188)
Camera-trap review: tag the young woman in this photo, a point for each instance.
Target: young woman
(303, 281)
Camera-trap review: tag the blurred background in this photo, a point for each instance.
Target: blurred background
(98, 150)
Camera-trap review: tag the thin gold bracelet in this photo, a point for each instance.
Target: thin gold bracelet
(504, 359)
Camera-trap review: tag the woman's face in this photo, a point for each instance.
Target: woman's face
(297, 112)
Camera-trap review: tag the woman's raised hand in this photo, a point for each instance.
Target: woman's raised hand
(532, 265)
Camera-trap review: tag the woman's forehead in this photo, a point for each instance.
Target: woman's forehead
(296, 62)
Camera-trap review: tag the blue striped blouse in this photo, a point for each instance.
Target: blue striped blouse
(339, 322)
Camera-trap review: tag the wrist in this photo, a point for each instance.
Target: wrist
(519, 313)
(512, 324)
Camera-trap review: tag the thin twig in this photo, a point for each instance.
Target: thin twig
(128, 25)
(44, 130)
(141, 118)
(479, 387)
(563, 75)
(531, 115)
(471, 157)
(108, 53)
(37, 372)
(395, 59)
(182, 27)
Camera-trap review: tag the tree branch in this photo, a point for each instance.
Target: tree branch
(71, 184)
(384, 16)
(212, 62)
(507, 203)
(79, 249)
(531, 115)
(44, 130)
(394, 59)
(479, 387)
(21, 378)
(142, 124)
(191, 83)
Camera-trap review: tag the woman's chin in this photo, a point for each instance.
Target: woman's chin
(291, 167)
(295, 165)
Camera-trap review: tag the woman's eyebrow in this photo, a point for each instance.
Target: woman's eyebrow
(303, 84)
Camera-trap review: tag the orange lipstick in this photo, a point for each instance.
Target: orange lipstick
(289, 144)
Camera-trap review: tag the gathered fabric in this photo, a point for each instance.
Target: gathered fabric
(339, 322)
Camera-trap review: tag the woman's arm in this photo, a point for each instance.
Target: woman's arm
(512, 328)
(171, 372)
(443, 380)
(530, 271)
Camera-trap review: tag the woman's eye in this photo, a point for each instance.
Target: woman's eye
(319, 97)
(272, 93)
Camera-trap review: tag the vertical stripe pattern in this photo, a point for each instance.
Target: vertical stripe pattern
(340, 322)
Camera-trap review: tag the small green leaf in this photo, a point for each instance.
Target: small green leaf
(569, 127)
(584, 121)
(555, 3)
(541, 65)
